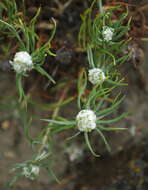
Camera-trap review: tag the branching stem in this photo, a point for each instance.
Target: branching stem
(54, 115)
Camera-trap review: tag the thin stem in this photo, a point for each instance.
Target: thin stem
(54, 115)
(104, 139)
(100, 6)
(90, 57)
(101, 11)
(75, 135)
(89, 145)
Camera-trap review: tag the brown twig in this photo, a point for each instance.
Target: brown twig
(61, 7)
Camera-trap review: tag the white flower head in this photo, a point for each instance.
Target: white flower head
(31, 171)
(96, 76)
(86, 120)
(22, 62)
(107, 33)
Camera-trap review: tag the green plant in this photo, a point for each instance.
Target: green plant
(104, 40)
(104, 55)
(27, 39)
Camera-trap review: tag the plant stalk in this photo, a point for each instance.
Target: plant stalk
(54, 115)
(100, 6)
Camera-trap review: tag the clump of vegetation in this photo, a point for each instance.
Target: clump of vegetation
(27, 57)
(104, 39)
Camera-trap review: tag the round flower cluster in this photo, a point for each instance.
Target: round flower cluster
(31, 171)
(22, 62)
(86, 120)
(107, 33)
(96, 76)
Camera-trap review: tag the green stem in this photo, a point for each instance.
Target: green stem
(54, 115)
(89, 145)
(90, 57)
(100, 6)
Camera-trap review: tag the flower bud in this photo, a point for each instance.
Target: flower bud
(86, 120)
(107, 33)
(96, 76)
(31, 171)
